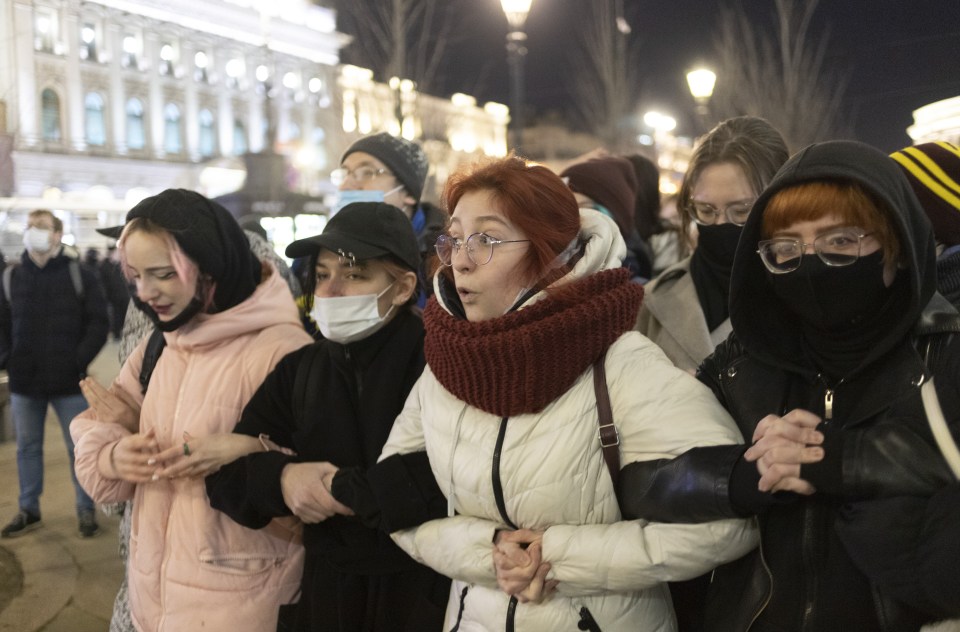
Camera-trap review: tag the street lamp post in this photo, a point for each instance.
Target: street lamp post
(516, 12)
(701, 82)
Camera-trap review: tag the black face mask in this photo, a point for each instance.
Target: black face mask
(192, 309)
(829, 298)
(719, 242)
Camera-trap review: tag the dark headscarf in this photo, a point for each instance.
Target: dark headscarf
(211, 237)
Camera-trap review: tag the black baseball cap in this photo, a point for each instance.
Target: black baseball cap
(113, 232)
(365, 230)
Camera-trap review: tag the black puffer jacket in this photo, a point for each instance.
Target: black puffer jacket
(817, 567)
(337, 403)
(48, 334)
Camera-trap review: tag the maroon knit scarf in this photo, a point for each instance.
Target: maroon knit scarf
(520, 362)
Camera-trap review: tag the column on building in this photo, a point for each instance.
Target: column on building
(255, 120)
(118, 99)
(76, 105)
(190, 109)
(29, 113)
(224, 115)
(154, 106)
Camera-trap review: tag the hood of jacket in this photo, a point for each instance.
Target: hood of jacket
(270, 304)
(602, 248)
(761, 322)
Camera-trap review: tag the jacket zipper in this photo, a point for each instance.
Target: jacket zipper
(766, 569)
(356, 372)
(166, 529)
(808, 555)
(828, 406)
(502, 508)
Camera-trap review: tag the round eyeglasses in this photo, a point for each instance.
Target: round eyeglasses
(708, 214)
(479, 247)
(360, 174)
(836, 248)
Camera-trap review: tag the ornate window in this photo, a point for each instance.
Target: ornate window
(89, 36)
(208, 137)
(132, 49)
(93, 115)
(171, 129)
(50, 115)
(239, 138)
(136, 136)
(168, 59)
(45, 30)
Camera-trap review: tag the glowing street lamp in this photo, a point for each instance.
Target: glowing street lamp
(516, 12)
(701, 82)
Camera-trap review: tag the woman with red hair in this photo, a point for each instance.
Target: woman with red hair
(530, 302)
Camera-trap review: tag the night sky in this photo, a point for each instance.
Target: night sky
(898, 54)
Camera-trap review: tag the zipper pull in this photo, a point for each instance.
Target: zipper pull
(828, 405)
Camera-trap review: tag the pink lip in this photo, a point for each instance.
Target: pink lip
(465, 294)
(161, 310)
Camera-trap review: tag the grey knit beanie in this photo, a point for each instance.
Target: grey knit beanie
(403, 158)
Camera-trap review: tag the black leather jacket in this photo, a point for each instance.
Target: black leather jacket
(881, 448)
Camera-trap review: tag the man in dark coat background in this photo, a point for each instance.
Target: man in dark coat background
(53, 322)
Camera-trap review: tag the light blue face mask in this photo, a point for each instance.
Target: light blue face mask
(350, 196)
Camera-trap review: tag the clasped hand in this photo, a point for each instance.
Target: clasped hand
(781, 445)
(306, 491)
(198, 457)
(520, 569)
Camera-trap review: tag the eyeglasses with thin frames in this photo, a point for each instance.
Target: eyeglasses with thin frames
(708, 214)
(360, 174)
(835, 248)
(479, 247)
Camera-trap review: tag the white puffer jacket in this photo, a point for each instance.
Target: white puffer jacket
(553, 477)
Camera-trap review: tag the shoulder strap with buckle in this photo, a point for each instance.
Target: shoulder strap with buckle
(609, 437)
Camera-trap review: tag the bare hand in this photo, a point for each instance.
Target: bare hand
(113, 405)
(520, 569)
(201, 456)
(306, 491)
(132, 456)
(781, 446)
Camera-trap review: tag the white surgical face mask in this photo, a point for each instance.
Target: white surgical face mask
(350, 196)
(37, 239)
(346, 319)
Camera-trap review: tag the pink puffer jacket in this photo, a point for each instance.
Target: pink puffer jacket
(191, 567)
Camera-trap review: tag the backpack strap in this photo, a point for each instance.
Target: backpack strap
(933, 348)
(7, 278)
(607, 431)
(76, 278)
(151, 356)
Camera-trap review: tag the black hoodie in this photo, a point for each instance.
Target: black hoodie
(812, 574)
(761, 321)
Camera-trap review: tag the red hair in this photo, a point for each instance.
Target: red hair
(848, 201)
(532, 198)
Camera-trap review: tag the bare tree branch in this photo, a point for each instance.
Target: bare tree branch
(605, 85)
(780, 72)
(401, 38)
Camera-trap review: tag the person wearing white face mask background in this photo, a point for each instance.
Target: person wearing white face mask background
(390, 169)
(53, 322)
(530, 299)
(333, 403)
